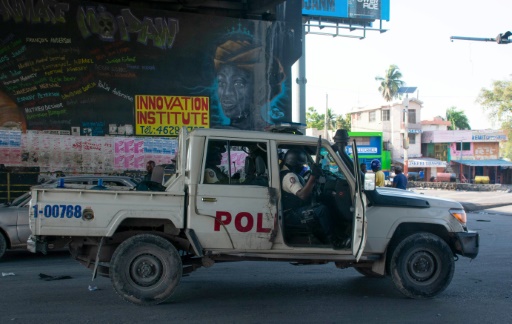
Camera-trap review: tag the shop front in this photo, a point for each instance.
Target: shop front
(494, 171)
(423, 169)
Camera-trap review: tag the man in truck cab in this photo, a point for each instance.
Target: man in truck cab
(213, 173)
(297, 197)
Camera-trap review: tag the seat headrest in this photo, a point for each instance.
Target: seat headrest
(261, 168)
(158, 174)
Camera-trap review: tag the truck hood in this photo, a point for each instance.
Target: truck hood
(393, 197)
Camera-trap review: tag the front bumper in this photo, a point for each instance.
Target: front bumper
(467, 243)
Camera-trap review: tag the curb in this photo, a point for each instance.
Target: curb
(470, 207)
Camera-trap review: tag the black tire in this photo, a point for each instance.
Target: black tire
(3, 245)
(422, 265)
(367, 272)
(145, 269)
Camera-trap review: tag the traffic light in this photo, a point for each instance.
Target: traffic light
(503, 38)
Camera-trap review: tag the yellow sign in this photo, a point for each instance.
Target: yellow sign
(165, 115)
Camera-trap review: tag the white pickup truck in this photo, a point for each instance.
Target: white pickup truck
(145, 240)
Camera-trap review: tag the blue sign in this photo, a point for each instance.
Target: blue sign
(356, 9)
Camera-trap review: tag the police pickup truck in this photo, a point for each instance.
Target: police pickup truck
(225, 203)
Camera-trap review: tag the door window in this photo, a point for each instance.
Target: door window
(236, 163)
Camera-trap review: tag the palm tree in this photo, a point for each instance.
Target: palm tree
(389, 86)
(458, 119)
(316, 120)
(331, 119)
(390, 83)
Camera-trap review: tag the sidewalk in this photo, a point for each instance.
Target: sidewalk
(500, 201)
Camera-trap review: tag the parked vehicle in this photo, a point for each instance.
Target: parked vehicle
(89, 181)
(233, 211)
(14, 229)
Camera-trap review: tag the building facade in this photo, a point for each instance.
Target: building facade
(472, 154)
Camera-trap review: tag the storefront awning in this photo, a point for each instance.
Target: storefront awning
(424, 162)
(486, 163)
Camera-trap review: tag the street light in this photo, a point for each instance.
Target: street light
(500, 39)
(405, 144)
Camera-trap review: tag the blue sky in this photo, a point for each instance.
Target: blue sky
(418, 41)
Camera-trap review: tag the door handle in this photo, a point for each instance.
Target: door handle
(208, 199)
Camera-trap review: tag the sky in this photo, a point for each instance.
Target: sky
(417, 40)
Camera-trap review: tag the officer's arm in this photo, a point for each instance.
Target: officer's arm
(306, 191)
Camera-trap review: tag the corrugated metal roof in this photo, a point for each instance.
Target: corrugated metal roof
(492, 162)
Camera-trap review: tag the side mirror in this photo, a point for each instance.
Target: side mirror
(369, 181)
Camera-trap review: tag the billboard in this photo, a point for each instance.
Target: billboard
(96, 69)
(354, 9)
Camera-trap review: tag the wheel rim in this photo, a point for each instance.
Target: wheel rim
(422, 267)
(146, 270)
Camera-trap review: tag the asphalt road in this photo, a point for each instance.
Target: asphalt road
(266, 292)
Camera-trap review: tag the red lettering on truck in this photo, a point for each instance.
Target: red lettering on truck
(243, 222)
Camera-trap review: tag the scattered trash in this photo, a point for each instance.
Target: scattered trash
(93, 288)
(46, 277)
(5, 274)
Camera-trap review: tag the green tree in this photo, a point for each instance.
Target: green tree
(498, 103)
(331, 119)
(344, 122)
(498, 100)
(506, 126)
(458, 119)
(316, 120)
(390, 83)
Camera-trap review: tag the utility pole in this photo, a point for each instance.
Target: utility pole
(405, 143)
(461, 168)
(326, 123)
(406, 134)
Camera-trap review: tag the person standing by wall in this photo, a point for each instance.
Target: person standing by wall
(379, 175)
(400, 180)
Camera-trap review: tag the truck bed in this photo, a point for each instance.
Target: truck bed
(78, 212)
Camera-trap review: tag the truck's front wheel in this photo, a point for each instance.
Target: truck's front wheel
(145, 269)
(422, 265)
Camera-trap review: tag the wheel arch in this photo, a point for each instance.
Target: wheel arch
(85, 249)
(406, 229)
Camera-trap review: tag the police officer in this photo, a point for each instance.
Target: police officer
(213, 173)
(297, 196)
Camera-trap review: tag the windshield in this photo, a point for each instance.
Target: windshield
(329, 164)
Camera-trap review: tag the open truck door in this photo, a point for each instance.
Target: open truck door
(359, 201)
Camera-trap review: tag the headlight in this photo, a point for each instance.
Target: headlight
(459, 214)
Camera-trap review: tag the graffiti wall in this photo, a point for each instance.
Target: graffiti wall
(92, 69)
(75, 155)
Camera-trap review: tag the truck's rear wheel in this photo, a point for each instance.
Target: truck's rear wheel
(145, 269)
(3, 245)
(422, 265)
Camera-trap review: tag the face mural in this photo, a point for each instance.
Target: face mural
(235, 88)
(248, 79)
